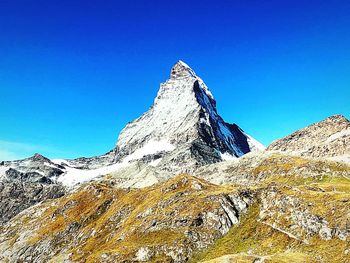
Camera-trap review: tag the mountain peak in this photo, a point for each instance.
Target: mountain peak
(336, 118)
(181, 70)
(182, 129)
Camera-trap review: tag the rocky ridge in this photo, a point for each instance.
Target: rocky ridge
(329, 138)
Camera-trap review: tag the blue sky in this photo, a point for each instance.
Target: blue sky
(73, 73)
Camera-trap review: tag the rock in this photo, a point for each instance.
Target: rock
(144, 254)
(325, 233)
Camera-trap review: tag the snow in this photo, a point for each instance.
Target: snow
(188, 68)
(60, 161)
(205, 87)
(3, 170)
(152, 147)
(227, 157)
(155, 162)
(172, 115)
(224, 130)
(229, 138)
(254, 145)
(50, 165)
(342, 158)
(75, 176)
(338, 135)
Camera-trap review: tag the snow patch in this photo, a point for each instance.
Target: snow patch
(3, 170)
(227, 157)
(205, 87)
(155, 162)
(254, 145)
(60, 161)
(75, 176)
(152, 147)
(188, 68)
(343, 158)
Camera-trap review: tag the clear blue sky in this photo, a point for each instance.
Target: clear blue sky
(73, 73)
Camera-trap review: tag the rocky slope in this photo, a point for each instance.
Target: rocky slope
(328, 138)
(27, 182)
(292, 213)
(166, 222)
(256, 169)
(298, 222)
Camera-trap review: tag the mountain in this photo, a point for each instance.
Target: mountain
(179, 133)
(182, 130)
(329, 138)
(182, 185)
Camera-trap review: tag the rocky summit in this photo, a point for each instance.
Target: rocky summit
(182, 130)
(182, 185)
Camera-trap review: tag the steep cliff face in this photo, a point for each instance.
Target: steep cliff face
(182, 129)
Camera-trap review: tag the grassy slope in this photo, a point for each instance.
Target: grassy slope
(326, 195)
(109, 220)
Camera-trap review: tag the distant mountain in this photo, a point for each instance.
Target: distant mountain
(329, 138)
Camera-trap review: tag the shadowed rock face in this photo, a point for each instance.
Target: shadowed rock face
(184, 118)
(16, 196)
(328, 138)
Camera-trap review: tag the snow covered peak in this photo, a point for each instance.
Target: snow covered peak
(181, 70)
(183, 116)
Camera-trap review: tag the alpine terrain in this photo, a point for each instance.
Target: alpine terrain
(182, 185)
